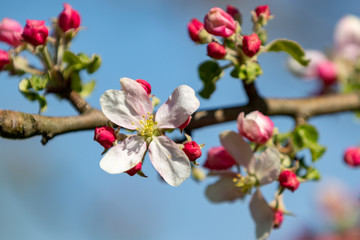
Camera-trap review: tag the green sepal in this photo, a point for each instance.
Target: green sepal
(247, 72)
(290, 47)
(210, 72)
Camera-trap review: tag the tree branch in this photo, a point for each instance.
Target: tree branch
(18, 125)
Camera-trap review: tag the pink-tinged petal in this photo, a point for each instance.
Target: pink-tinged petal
(309, 72)
(266, 166)
(177, 109)
(248, 127)
(224, 190)
(262, 214)
(124, 156)
(135, 89)
(169, 160)
(237, 147)
(122, 108)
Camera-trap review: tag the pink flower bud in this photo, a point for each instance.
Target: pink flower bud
(105, 136)
(219, 23)
(216, 50)
(192, 150)
(219, 159)
(352, 156)
(263, 11)
(278, 218)
(251, 44)
(288, 179)
(69, 18)
(4, 58)
(256, 127)
(234, 12)
(327, 72)
(184, 125)
(145, 85)
(194, 28)
(135, 169)
(10, 32)
(35, 32)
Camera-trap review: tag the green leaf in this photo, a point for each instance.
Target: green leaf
(71, 58)
(316, 151)
(24, 87)
(38, 83)
(94, 63)
(87, 88)
(76, 81)
(307, 132)
(210, 72)
(290, 47)
(247, 72)
(313, 174)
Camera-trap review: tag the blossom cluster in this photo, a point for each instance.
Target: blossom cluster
(131, 108)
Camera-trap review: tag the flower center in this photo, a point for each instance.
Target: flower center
(148, 128)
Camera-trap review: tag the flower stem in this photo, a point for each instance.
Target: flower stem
(46, 56)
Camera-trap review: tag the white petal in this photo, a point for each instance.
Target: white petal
(124, 156)
(266, 166)
(176, 110)
(134, 89)
(237, 147)
(122, 108)
(223, 190)
(310, 70)
(262, 214)
(169, 160)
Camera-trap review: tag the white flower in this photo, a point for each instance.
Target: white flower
(131, 108)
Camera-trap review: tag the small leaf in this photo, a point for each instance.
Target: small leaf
(313, 174)
(94, 63)
(247, 72)
(87, 88)
(262, 214)
(290, 47)
(71, 58)
(38, 83)
(24, 87)
(76, 81)
(316, 151)
(210, 72)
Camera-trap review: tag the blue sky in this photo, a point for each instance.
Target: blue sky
(58, 191)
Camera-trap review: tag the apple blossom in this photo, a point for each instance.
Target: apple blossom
(69, 18)
(310, 71)
(219, 159)
(131, 108)
(255, 126)
(327, 72)
(251, 44)
(10, 32)
(216, 50)
(35, 32)
(145, 85)
(234, 12)
(135, 169)
(347, 37)
(219, 23)
(263, 11)
(278, 218)
(194, 29)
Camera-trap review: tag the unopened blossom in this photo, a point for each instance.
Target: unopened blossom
(184, 125)
(216, 50)
(347, 37)
(352, 156)
(255, 126)
(310, 71)
(234, 12)
(105, 136)
(131, 108)
(192, 150)
(194, 29)
(278, 218)
(219, 159)
(288, 179)
(145, 85)
(4, 58)
(135, 169)
(251, 44)
(219, 23)
(69, 18)
(327, 72)
(263, 11)
(35, 32)
(10, 32)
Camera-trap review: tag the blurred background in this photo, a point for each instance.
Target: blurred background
(58, 191)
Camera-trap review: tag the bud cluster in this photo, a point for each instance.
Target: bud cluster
(221, 30)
